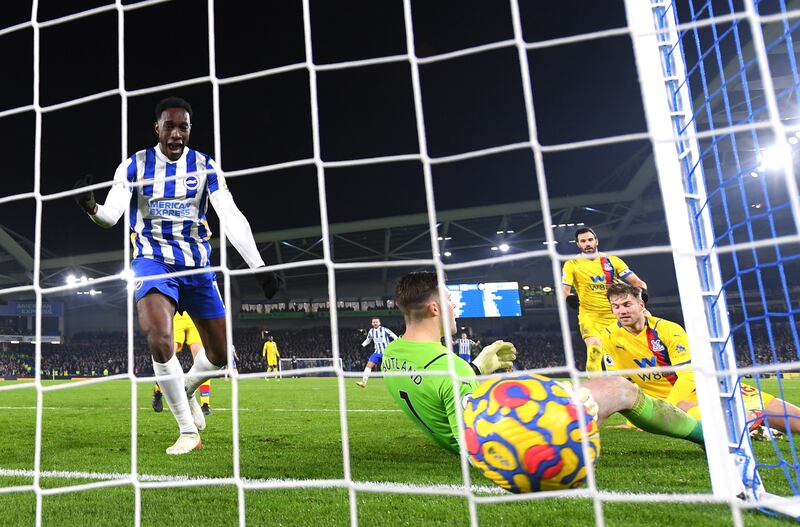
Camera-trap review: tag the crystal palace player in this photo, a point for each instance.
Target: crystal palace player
(640, 340)
(379, 336)
(590, 275)
(170, 233)
(186, 335)
(429, 401)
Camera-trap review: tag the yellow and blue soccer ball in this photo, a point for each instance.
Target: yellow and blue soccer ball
(523, 433)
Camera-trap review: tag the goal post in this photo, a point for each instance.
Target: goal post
(690, 216)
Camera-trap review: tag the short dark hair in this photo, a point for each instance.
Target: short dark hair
(413, 292)
(583, 230)
(172, 102)
(622, 289)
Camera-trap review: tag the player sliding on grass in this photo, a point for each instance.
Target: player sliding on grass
(170, 233)
(640, 340)
(430, 400)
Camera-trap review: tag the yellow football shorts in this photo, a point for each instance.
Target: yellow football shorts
(186, 333)
(592, 324)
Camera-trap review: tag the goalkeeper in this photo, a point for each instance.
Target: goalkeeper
(429, 401)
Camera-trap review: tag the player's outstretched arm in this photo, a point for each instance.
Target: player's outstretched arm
(108, 214)
(238, 231)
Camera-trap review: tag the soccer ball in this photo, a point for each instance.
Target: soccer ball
(523, 433)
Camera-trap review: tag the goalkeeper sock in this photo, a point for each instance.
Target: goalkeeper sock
(367, 371)
(594, 358)
(201, 371)
(205, 393)
(174, 393)
(660, 417)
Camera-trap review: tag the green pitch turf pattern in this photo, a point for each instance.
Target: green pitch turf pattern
(290, 430)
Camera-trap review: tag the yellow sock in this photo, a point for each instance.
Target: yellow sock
(694, 411)
(205, 393)
(156, 388)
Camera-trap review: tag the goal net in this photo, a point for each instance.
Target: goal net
(720, 92)
(309, 366)
(721, 88)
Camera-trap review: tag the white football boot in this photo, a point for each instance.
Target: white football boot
(185, 444)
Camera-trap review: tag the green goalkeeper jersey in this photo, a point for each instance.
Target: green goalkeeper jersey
(427, 400)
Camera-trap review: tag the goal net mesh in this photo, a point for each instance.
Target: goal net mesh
(747, 129)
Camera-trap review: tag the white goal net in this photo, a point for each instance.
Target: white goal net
(724, 176)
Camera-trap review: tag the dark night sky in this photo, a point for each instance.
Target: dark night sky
(581, 91)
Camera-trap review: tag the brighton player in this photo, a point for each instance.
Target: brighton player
(186, 334)
(584, 282)
(170, 234)
(641, 341)
(379, 336)
(271, 354)
(429, 401)
(465, 347)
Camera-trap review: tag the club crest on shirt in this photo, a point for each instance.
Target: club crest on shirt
(607, 266)
(191, 182)
(656, 345)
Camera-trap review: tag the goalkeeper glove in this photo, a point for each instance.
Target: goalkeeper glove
(85, 200)
(270, 282)
(572, 301)
(583, 396)
(498, 355)
(645, 296)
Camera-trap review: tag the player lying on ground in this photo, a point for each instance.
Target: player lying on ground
(640, 340)
(170, 234)
(589, 275)
(186, 334)
(430, 400)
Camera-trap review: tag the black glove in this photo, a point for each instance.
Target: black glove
(270, 283)
(645, 296)
(85, 200)
(572, 301)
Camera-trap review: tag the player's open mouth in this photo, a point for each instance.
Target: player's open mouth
(175, 147)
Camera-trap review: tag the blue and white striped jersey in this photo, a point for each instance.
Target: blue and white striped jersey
(465, 346)
(379, 337)
(168, 218)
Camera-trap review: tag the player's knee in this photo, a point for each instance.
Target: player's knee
(160, 344)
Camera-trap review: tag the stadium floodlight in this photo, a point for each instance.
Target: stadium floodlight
(526, 287)
(494, 248)
(504, 247)
(776, 157)
(547, 289)
(448, 253)
(84, 279)
(70, 279)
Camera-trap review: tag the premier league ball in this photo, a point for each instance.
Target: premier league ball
(523, 433)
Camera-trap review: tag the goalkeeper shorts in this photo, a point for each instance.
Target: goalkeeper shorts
(196, 294)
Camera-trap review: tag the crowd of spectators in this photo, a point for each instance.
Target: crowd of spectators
(106, 353)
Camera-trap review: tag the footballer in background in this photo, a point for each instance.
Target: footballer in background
(270, 353)
(642, 341)
(584, 281)
(379, 336)
(185, 334)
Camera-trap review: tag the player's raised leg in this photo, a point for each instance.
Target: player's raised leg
(155, 312)
(211, 360)
(617, 394)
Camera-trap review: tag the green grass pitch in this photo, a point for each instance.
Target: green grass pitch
(290, 430)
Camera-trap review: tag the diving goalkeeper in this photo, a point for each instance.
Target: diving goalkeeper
(429, 401)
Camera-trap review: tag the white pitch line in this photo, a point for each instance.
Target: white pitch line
(214, 408)
(376, 485)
